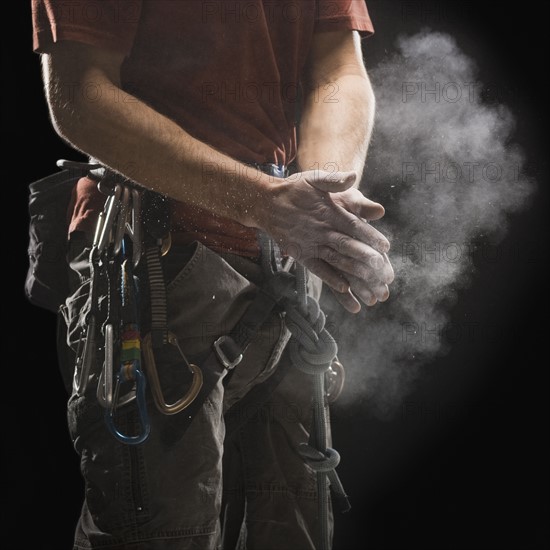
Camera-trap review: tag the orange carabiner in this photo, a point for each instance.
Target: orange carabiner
(152, 374)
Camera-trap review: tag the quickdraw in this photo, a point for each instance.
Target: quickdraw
(129, 372)
(112, 328)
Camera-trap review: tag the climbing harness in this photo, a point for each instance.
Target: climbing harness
(133, 227)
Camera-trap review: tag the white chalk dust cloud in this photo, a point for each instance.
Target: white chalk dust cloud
(443, 163)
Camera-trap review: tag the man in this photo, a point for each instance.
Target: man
(197, 100)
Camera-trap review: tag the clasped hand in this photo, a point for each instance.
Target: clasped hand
(321, 220)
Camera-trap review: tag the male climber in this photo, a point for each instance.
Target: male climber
(250, 116)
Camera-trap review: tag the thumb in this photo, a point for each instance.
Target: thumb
(332, 182)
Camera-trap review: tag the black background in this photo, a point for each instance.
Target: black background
(464, 464)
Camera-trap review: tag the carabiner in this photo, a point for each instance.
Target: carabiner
(152, 373)
(129, 223)
(134, 229)
(110, 212)
(335, 377)
(120, 229)
(85, 360)
(105, 382)
(129, 373)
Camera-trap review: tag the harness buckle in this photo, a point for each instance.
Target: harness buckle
(225, 361)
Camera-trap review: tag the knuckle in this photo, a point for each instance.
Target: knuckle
(327, 254)
(340, 243)
(355, 225)
(376, 261)
(324, 212)
(382, 243)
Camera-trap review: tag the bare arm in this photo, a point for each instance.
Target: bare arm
(334, 135)
(92, 112)
(143, 145)
(338, 113)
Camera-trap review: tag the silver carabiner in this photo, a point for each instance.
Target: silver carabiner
(112, 208)
(121, 220)
(129, 223)
(134, 230)
(84, 362)
(105, 388)
(105, 382)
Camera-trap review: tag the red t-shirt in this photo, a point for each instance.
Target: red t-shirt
(226, 71)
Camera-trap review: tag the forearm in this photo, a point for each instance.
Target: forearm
(128, 136)
(336, 125)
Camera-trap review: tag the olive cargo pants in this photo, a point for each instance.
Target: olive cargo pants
(167, 493)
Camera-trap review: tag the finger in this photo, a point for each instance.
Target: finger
(353, 226)
(371, 265)
(389, 272)
(372, 212)
(369, 292)
(355, 202)
(361, 290)
(330, 181)
(328, 274)
(347, 300)
(385, 294)
(368, 210)
(374, 243)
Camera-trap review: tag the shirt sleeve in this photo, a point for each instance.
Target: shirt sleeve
(110, 24)
(339, 15)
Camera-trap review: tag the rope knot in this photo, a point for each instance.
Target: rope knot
(317, 460)
(312, 348)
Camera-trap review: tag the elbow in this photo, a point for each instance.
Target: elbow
(67, 118)
(61, 123)
(369, 98)
(69, 111)
(76, 122)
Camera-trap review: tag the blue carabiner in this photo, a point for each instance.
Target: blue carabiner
(130, 372)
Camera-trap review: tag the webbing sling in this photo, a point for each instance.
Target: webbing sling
(227, 351)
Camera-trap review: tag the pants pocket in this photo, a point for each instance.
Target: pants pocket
(206, 299)
(74, 311)
(115, 488)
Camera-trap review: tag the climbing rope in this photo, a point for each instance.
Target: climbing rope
(312, 350)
